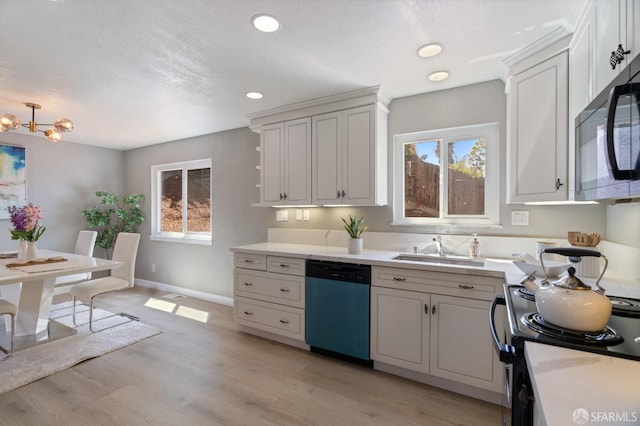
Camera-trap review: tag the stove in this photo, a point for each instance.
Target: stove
(621, 338)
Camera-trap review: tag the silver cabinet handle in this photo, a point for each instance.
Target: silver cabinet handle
(399, 279)
(248, 284)
(284, 290)
(284, 321)
(465, 287)
(248, 313)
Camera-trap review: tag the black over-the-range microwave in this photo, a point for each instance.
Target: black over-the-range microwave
(608, 141)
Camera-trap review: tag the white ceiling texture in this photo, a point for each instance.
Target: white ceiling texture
(132, 73)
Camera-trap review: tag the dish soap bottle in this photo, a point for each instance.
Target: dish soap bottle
(474, 247)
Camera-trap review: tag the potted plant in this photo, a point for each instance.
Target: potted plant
(355, 227)
(114, 216)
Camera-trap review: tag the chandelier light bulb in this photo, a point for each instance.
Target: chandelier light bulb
(63, 124)
(9, 122)
(53, 135)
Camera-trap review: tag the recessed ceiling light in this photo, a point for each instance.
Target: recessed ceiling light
(254, 95)
(429, 50)
(265, 23)
(439, 75)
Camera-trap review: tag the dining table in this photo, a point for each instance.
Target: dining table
(30, 285)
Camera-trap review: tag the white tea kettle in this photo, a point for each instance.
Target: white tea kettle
(569, 302)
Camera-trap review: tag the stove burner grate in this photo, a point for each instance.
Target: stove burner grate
(606, 337)
(526, 293)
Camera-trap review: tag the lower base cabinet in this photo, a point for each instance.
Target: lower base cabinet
(437, 335)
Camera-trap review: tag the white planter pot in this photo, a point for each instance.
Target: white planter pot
(355, 245)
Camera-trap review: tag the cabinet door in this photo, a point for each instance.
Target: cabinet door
(297, 162)
(327, 143)
(461, 343)
(400, 328)
(538, 135)
(609, 35)
(358, 154)
(271, 163)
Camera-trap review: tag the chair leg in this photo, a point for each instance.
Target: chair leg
(91, 315)
(73, 312)
(13, 333)
(9, 351)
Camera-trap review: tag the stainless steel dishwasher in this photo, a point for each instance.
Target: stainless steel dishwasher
(337, 300)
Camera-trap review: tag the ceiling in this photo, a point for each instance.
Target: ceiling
(132, 73)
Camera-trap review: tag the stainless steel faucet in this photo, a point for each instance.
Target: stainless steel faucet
(438, 241)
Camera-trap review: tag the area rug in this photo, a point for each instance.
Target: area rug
(36, 362)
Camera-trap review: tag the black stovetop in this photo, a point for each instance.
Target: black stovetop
(621, 338)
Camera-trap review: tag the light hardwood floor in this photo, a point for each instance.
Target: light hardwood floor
(210, 373)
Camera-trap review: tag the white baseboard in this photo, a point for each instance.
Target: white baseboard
(221, 300)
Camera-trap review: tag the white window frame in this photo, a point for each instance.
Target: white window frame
(491, 133)
(204, 238)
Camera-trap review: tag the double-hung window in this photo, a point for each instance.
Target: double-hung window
(447, 177)
(181, 202)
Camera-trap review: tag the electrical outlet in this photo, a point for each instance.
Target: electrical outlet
(306, 215)
(520, 218)
(282, 215)
(298, 214)
(153, 267)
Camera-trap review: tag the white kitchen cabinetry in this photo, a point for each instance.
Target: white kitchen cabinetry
(537, 132)
(400, 328)
(350, 156)
(614, 26)
(435, 323)
(285, 163)
(269, 294)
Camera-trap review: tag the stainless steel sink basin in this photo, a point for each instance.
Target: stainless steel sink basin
(446, 259)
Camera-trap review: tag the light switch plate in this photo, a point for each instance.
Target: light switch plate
(306, 215)
(520, 218)
(282, 215)
(298, 214)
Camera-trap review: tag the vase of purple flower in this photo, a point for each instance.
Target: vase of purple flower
(26, 229)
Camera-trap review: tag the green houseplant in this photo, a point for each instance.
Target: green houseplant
(355, 227)
(113, 216)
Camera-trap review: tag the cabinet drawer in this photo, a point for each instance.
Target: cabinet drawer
(277, 319)
(271, 287)
(250, 261)
(286, 265)
(452, 284)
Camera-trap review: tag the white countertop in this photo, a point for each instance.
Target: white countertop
(493, 267)
(605, 388)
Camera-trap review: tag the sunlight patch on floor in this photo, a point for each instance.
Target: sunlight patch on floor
(174, 308)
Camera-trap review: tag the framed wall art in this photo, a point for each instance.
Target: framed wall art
(13, 178)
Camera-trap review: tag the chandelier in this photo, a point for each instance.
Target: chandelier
(54, 134)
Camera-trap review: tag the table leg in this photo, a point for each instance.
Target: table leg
(34, 305)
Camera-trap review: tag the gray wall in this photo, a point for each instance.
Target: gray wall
(203, 268)
(63, 178)
(623, 224)
(473, 104)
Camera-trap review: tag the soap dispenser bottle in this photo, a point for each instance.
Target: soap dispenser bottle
(474, 247)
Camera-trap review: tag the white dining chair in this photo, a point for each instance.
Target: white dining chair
(85, 243)
(8, 308)
(125, 251)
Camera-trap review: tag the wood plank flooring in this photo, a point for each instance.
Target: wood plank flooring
(209, 373)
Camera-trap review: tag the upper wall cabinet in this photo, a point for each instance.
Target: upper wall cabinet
(328, 151)
(285, 163)
(349, 157)
(605, 26)
(615, 29)
(537, 119)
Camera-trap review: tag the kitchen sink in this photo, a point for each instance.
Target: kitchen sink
(445, 259)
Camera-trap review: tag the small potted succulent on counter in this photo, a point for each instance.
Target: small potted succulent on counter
(355, 227)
